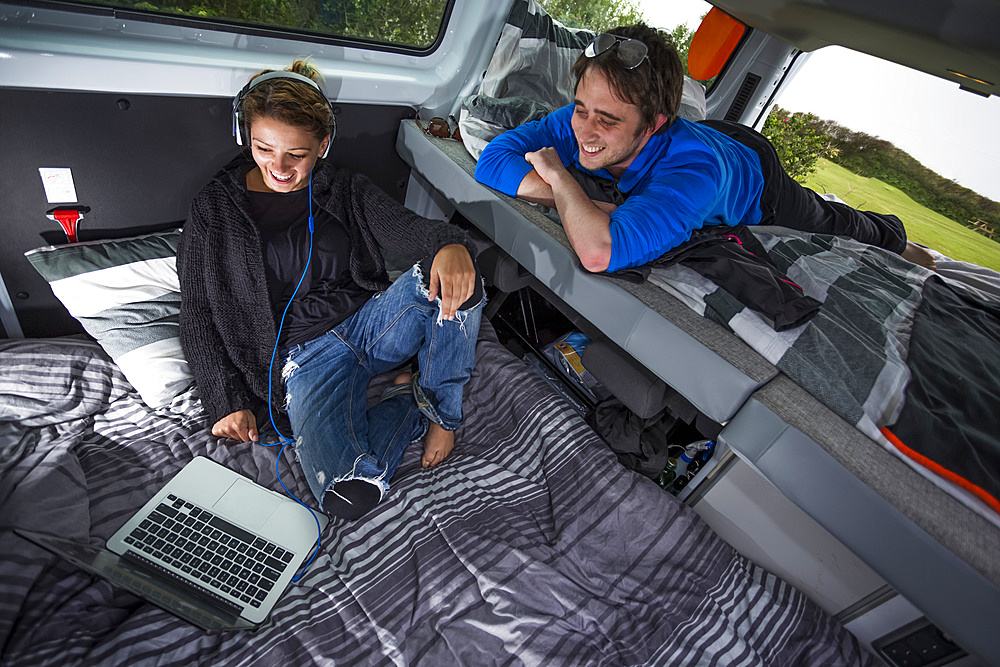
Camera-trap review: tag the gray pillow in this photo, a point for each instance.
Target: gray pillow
(126, 294)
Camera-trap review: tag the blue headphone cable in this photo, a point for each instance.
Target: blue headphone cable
(284, 440)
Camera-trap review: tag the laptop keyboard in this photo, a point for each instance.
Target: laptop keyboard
(223, 557)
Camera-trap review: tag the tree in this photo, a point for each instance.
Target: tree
(595, 15)
(681, 37)
(798, 143)
(406, 22)
(601, 15)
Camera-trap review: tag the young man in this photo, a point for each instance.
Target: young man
(631, 180)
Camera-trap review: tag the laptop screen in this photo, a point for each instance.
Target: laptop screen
(174, 597)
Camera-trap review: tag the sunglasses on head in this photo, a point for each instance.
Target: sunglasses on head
(631, 52)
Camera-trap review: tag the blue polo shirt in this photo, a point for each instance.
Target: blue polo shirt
(688, 177)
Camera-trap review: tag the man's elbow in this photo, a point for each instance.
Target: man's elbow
(481, 171)
(596, 260)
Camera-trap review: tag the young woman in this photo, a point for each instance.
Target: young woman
(286, 304)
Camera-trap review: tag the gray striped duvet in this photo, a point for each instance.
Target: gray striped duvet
(530, 545)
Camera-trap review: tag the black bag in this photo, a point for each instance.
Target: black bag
(640, 444)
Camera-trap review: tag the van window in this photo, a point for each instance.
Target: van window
(895, 140)
(413, 24)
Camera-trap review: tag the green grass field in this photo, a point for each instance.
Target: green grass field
(922, 225)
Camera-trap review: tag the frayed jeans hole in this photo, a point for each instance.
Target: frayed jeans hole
(419, 275)
(289, 370)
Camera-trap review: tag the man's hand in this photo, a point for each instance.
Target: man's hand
(547, 165)
(240, 426)
(454, 275)
(586, 222)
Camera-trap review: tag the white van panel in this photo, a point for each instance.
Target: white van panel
(58, 50)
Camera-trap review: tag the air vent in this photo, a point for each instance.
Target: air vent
(743, 96)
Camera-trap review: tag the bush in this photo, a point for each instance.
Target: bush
(877, 158)
(798, 143)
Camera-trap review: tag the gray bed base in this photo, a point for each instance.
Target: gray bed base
(638, 318)
(939, 554)
(931, 548)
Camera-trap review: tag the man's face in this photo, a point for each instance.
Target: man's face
(607, 129)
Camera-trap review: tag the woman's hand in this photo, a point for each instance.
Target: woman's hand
(454, 275)
(240, 426)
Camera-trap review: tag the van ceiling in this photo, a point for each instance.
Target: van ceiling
(953, 39)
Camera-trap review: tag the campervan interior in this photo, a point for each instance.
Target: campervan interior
(533, 543)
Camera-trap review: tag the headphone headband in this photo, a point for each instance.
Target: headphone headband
(267, 76)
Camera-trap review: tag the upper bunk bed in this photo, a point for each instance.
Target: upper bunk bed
(827, 455)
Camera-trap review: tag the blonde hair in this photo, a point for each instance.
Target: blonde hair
(293, 102)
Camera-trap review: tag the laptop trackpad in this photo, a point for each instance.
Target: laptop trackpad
(249, 504)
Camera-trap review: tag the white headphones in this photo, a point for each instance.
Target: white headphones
(256, 81)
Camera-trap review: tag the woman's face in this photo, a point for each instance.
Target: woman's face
(284, 153)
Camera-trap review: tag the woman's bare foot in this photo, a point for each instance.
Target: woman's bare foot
(919, 255)
(437, 445)
(438, 442)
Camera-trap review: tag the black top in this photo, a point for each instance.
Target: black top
(227, 327)
(328, 294)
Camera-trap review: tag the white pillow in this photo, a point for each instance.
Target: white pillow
(126, 294)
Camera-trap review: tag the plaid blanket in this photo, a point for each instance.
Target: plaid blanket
(855, 354)
(852, 354)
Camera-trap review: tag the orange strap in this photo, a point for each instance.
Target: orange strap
(980, 493)
(713, 43)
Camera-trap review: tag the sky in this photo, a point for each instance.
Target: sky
(950, 131)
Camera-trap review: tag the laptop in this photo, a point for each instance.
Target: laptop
(211, 547)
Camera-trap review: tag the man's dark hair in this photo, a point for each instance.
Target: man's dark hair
(654, 86)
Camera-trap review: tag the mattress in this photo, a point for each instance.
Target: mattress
(528, 545)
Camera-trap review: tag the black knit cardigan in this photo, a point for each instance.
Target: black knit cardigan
(226, 325)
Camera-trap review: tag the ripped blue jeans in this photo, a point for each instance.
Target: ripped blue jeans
(336, 436)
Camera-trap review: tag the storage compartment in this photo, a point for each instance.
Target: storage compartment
(649, 426)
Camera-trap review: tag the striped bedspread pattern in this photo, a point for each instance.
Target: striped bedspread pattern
(530, 545)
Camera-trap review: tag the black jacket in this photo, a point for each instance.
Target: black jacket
(735, 260)
(226, 324)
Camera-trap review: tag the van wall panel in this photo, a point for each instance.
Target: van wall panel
(137, 161)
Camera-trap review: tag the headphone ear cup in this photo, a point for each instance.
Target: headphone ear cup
(333, 135)
(238, 127)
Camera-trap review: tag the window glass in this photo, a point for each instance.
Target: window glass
(680, 18)
(894, 140)
(408, 23)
